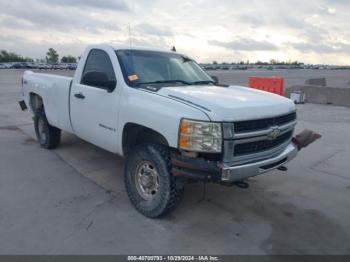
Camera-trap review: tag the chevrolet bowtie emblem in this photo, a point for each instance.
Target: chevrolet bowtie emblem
(275, 132)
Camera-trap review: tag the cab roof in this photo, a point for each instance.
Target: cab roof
(132, 47)
(135, 47)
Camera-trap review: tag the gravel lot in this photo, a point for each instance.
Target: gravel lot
(72, 200)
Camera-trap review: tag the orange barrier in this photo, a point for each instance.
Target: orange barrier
(270, 84)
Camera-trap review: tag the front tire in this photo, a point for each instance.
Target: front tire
(150, 186)
(49, 137)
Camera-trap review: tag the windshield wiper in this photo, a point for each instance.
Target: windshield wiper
(165, 82)
(203, 82)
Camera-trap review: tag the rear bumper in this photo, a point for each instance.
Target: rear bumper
(200, 169)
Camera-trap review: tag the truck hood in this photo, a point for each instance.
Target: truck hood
(233, 103)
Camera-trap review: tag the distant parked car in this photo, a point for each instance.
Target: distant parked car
(239, 67)
(44, 66)
(55, 66)
(41, 66)
(72, 66)
(65, 66)
(2, 66)
(21, 65)
(58, 66)
(31, 65)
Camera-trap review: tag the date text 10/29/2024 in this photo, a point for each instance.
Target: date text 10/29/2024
(173, 258)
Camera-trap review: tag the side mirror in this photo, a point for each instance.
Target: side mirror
(110, 86)
(215, 78)
(98, 79)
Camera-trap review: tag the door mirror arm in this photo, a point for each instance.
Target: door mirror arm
(110, 86)
(110, 89)
(216, 79)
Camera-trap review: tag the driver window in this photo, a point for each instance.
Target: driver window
(98, 71)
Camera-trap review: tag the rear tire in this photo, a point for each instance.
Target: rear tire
(150, 186)
(49, 137)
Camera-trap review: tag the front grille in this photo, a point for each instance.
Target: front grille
(259, 124)
(262, 145)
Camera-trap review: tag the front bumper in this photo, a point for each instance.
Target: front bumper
(240, 172)
(200, 169)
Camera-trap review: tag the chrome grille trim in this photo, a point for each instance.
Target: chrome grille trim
(232, 138)
(283, 128)
(256, 146)
(232, 160)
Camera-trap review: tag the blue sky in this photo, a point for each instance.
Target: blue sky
(313, 31)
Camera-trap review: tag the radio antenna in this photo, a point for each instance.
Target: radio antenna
(130, 36)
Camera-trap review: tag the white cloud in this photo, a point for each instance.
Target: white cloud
(313, 31)
(245, 45)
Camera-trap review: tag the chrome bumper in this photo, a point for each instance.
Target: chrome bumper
(240, 172)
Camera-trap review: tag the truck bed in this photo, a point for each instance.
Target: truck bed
(54, 91)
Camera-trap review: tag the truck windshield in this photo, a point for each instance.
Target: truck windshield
(160, 68)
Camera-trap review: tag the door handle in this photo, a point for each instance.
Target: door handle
(79, 95)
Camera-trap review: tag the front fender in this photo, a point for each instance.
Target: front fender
(156, 112)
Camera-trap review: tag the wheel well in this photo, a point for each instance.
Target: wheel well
(135, 134)
(35, 101)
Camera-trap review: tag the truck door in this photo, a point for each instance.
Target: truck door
(94, 102)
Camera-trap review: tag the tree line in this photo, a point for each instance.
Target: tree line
(51, 57)
(13, 57)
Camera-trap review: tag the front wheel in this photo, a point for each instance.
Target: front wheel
(150, 186)
(48, 136)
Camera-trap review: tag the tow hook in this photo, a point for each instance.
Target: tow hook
(283, 168)
(241, 184)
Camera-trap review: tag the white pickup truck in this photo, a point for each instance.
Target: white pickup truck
(172, 121)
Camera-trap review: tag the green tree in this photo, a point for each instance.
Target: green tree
(13, 57)
(52, 56)
(68, 59)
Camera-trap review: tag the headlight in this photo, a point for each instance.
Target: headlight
(200, 136)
